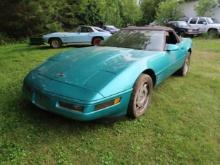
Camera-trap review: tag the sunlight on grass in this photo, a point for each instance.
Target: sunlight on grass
(181, 127)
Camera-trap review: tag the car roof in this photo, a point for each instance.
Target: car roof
(156, 28)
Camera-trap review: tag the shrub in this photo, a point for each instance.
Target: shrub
(168, 10)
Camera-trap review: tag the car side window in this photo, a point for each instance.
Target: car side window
(193, 21)
(171, 38)
(85, 30)
(201, 21)
(89, 29)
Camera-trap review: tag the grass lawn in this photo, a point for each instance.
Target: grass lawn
(182, 126)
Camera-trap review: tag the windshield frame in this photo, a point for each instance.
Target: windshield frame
(98, 29)
(161, 48)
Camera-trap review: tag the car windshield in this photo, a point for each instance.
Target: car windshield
(137, 39)
(182, 23)
(111, 27)
(99, 29)
(212, 20)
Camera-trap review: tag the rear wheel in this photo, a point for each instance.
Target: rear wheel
(96, 41)
(141, 96)
(213, 33)
(185, 68)
(55, 43)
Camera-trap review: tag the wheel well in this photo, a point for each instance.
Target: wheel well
(50, 39)
(151, 73)
(97, 37)
(212, 29)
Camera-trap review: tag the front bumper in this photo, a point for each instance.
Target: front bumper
(51, 102)
(192, 33)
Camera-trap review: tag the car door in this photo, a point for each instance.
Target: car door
(202, 25)
(169, 60)
(82, 35)
(193, 22)
(175, 57)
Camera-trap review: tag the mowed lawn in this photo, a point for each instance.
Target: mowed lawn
(181, 127)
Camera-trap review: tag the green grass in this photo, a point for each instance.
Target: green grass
(181, 127)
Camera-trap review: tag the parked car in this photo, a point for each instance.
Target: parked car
(183, 29)
(184, 19)
(206, 25)
(84, 35)
(112, 29)
(116, 78)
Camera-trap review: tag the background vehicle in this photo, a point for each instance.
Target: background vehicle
(113, 79)
(112, 29)
(84, 35)
(206, 25)
(183, 29)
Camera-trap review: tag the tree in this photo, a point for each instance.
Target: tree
(204, 7)
(23, 18)
(148, 8)
(168, 10)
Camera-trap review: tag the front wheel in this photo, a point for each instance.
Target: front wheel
(55, 43)
(141, 96)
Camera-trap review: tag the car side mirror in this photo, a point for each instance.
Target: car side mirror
(171, 47)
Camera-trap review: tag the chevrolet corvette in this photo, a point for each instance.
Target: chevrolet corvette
(113, 79)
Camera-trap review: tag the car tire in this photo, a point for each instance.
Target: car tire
(185, 68)
(141, 96)
(213, 33)
(55, 43)
(96, 41)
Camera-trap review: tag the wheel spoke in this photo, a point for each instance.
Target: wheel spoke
(142, 97)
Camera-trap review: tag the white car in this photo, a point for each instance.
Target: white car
(84, 35)
(206, 25)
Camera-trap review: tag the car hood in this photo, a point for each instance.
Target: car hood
(216, 25)
(92, 67)
(189, 27)
(58, 34)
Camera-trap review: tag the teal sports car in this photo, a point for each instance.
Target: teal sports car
(114, 79)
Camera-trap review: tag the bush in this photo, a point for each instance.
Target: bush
(168, 10)
(4, 39)
(204, 7)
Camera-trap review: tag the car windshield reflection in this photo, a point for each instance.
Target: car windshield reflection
(137, 39)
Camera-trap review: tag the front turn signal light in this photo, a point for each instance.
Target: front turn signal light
(108, 104)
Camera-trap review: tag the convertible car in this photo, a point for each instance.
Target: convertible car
(84, 35)
(116, 78)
